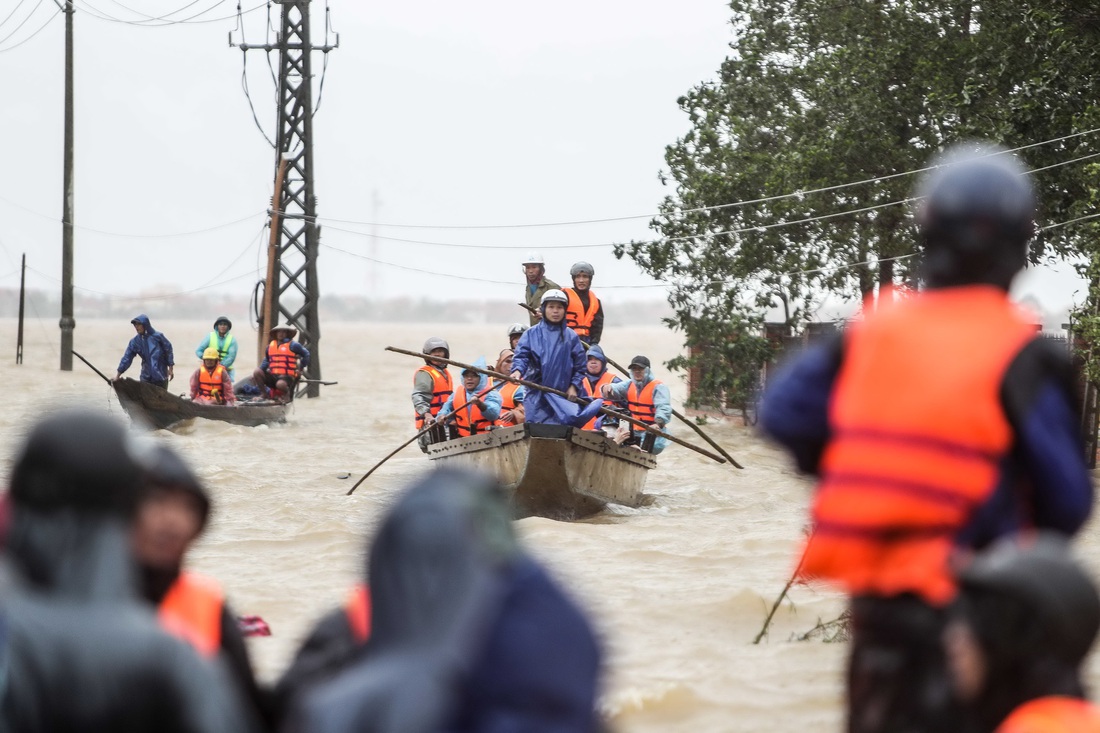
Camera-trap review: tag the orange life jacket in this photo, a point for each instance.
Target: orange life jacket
(441, 390)
(468, 418)
(593, 390)
(281, 360)
(918, 431)
(577, 317)
(641, 405)
(192, 610)
(357, 609)
(210, 383)
(1054, 714)
(507, 402)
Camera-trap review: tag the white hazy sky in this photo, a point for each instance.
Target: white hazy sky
(450, 114)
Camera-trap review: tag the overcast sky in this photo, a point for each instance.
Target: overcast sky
(445, 113)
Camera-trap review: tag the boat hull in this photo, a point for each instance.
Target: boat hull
(158, 408)
(553, 471)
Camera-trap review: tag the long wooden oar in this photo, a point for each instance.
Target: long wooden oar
(409, 442)
(690, 423)
(90, 364)
(558, 392)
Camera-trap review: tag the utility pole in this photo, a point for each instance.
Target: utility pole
(293, 286)
(68, 322)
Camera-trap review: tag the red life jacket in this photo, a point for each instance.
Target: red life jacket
(357, 609)
(917, 439)
(281, 360)
(1053, 714)
(507, 402)
(441, 390)
(577, 317)
(593, 390)
(192, 610)
(210, 383)
(468, 418)
(641, 405)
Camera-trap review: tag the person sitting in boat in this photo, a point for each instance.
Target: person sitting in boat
(649, 401)
(514, 332)
(584, 313)
(467, 630)
(155, 350)
(431, 387)
(211, 383)
(284, 362)
(223, 341)
(550, 354)
(595, 377)
(171, 514)
(474, 406)
(511, 394)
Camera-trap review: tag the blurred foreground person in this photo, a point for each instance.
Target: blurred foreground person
(939, 421)
(468, 632)
(1026, 617)
(171, 515)
(81, 651)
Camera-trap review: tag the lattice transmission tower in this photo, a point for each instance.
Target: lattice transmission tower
(291, 291)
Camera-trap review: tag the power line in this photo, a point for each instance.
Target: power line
(40, 29)
(101, 15)
(9, 15)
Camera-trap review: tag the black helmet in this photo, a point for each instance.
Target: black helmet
(1040, 575)
(225, 320)
(165, 469)
(579, 267)
(976, 217)
(77, 459)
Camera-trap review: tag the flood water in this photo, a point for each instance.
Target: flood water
(677, 590)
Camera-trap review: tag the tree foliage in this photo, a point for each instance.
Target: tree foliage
(818, 95)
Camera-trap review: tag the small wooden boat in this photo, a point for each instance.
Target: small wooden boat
(553, 471)
(159, 408)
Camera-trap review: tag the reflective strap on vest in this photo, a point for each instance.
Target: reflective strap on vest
(576, 316)
(357, 609)
(223, 350)
(209, 383)
(641, 405)
(192, 611)
(441, 390)
(281, 360)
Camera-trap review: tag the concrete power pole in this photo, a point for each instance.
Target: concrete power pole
(68, 322)
(294, 289)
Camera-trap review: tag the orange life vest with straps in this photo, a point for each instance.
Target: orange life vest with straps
(210, 383)
(281, 360)
(641, 404)
(507, 402)
(918, 431)
(593, 390)
(468, 419)
(192, 611)
(441, 390)
(1054, 714)
(577, 317)
(357, 609)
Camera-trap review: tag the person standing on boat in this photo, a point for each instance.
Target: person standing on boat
(595, 377)
(155, 350)
(584, 312)
(534, 269)
(514, 332)
(283, 364)
(550, 354)
(648, 400)
(211, 383)
(172, 513)
(474, 406)
(223, 341)
(511, 394)
(936, 424)
(1017, 638)
(432, 387)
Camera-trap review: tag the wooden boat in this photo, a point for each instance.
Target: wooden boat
(553, 471)
(159, 408)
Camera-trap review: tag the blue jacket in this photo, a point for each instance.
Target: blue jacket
(1043, 481)
(550, 354)
(662, 405)
(154, 349)
(491, 399)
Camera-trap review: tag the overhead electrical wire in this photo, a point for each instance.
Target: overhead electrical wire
(9, 15)
(107, 17)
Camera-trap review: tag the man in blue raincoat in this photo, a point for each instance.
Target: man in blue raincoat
(155, 351)
(550, 354)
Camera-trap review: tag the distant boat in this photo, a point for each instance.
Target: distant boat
(553, 471)
(151, 405)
